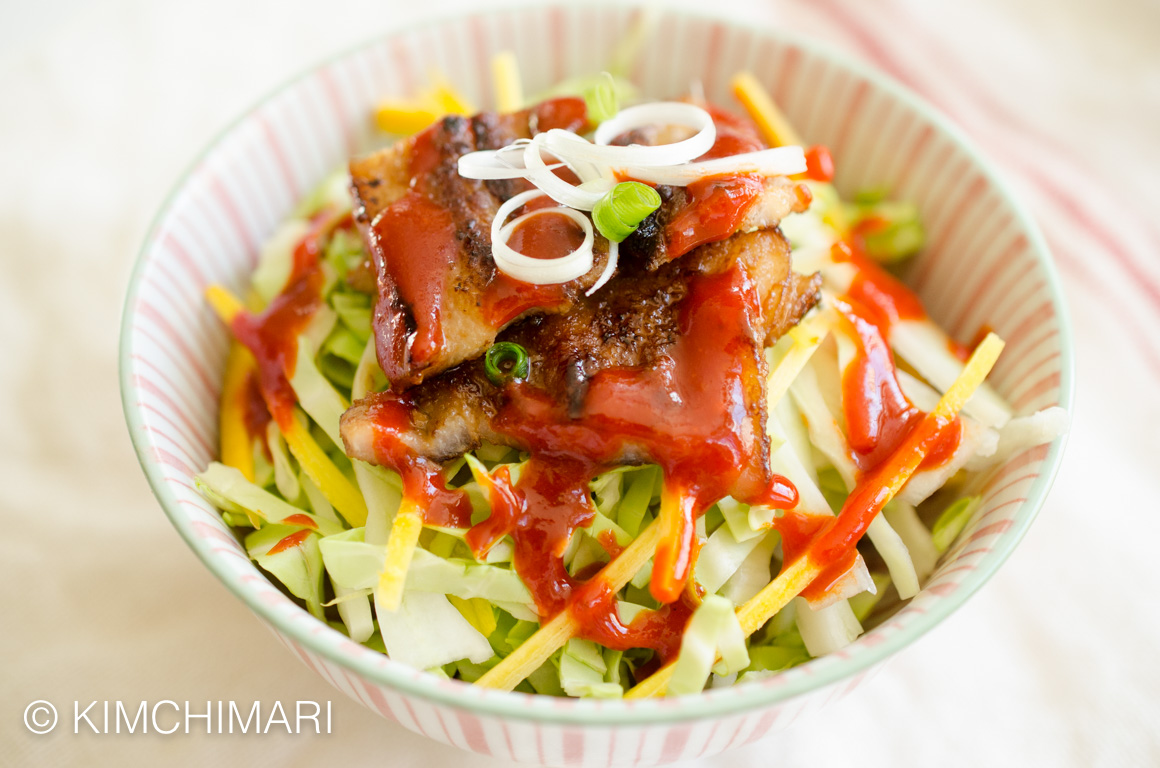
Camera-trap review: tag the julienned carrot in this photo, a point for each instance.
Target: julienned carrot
(860, 509)
(509, 89)
(407, 116)
(775, 128)
(534, 651)
(676, 517)
(400, 550)
(237, 446)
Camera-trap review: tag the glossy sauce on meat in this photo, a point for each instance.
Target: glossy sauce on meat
(715, 208)
(418, 246)
(716, 205)
(431, 244)
(691, 414)
(798, 531)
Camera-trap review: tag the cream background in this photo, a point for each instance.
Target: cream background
(104, 103)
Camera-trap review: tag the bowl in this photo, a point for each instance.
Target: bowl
(985, 263)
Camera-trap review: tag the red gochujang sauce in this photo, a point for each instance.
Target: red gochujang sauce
(293, 540)
(302, 520)
(255, 414)
(878, 414)
(593, 607)
(272, 335)
(819, 164)
(798, 531)
(544, 236)
(963, 351)
(884, 298)
(834, 545)
(423, 479)
(420, 246)
(690, 414)
(567, 113)
(717, 204)
(887, 298)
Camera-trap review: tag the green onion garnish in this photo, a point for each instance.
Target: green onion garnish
(601, 100)
(506, 361)
(891, 230)
(620, 212)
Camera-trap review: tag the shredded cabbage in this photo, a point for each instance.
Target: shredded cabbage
(713, 630)
(426, 631)
(298, 567)
(583, 671)
(229, 489)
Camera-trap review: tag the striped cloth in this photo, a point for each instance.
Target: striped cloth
(1053, 663)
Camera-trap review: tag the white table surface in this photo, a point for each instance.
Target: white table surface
(104, 103)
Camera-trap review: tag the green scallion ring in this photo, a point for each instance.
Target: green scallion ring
(601, 100)
(506, 361)
(620, 212)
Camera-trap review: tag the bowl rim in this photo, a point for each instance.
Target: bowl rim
(612, 712)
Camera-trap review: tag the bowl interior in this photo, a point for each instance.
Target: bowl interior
(985, 264)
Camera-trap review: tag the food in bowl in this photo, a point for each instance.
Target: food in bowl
(603, 417)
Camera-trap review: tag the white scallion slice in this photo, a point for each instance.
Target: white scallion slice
(530, 269)
(656, 113)
(583, 197)
(609, 268)
(779, 161)
(504, 163)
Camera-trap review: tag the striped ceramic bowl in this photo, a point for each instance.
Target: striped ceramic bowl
(986, 263)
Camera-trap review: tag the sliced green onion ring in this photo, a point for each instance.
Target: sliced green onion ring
(620, 212)
(506, 361)
(601, 100)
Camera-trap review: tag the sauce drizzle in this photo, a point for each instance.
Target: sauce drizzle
(691, 414)
(419, 241)
(878, 414)
(717, 205)
(272, 335)
(423, 479)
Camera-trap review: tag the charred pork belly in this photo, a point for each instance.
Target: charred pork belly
(631, 326)
(714, 208)
(440, 299)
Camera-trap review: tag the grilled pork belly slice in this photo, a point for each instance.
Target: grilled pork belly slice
(630, 327)
(680, 223)
(439, 298)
